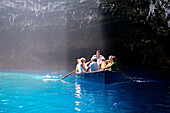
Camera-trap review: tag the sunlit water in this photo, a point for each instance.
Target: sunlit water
(46, 93)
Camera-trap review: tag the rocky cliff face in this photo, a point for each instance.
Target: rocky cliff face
(48, 35)
(130, 29)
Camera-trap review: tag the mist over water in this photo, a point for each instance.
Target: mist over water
(36, 34)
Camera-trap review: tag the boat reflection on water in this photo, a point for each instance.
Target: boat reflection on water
(120, 97)
(78, 90)
(78, 95)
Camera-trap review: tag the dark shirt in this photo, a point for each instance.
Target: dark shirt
(114, 66)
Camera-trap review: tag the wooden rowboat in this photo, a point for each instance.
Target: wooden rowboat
(105, 77)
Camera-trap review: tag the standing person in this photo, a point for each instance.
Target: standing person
(93, 65)
(113, 64)
(99, 57)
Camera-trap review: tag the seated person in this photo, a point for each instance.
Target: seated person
(108, 63)
(83, 66)
(94, 65)
(78, 65)
(113, 64)
(103, 64)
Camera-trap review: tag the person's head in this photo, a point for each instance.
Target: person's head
(114, 59)
(98, 53)
(83, 59)
(111, 58)
(94, 59)
(78, 61)
(108, 61)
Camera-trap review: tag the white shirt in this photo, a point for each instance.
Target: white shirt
(99, 59)
(80, 68)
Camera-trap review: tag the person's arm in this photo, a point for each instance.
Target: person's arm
(83, 66)
(103, 57)
(88, 63)
(77, 69)
(88, 69)
(109, 66)
(99, 66)
(93, 57)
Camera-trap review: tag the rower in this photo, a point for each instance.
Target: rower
(113, 64)
(78, 65)
(83, 66)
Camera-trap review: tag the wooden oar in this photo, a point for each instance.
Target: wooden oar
(125, 75)
(69, 74)
(73, 72)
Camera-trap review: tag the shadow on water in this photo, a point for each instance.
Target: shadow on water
(145, 73)
(127, 96)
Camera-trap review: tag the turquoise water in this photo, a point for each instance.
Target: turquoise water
(41, 93)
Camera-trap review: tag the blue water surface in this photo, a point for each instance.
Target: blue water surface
(46, 93)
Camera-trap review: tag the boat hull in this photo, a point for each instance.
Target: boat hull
(105, 77)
